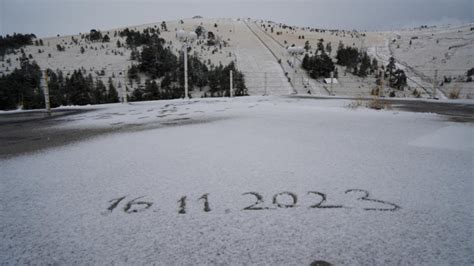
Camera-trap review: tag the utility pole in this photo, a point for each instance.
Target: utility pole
(265, 84)
(124, 88)
(332, 81)
(293, 80)
(382, 84)
(304, 85)
(186, 72)
(435, 78)
(46, 93)
(231, 86)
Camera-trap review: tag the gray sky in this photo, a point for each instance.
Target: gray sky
(51, 17)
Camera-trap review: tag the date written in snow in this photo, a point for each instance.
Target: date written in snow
(280, 200)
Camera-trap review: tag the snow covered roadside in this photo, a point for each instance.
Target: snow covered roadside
(66, 205)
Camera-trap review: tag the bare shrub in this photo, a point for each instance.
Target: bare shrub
(454, 93)
(357, 103)
(377, 104)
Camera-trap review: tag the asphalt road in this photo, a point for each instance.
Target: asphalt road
(458, 112)
(31, 131)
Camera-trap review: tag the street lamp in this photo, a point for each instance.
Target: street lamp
(187, 38)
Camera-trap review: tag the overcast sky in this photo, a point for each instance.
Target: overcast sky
(51, 17)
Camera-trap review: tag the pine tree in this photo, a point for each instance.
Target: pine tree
(151, 91)
(364, 65)
(306, 62)
(166, 82)
(55, 86)
(137, 95)
(321, 45)
(199, 30)
(112, 95)
(391, 66)
(163, 26)
(78, 89)
(307, 46)
(328, 48)
(374, 66)
(99, 94)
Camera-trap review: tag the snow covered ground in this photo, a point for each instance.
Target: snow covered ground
(397, 187)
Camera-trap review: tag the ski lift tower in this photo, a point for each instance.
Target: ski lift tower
(187, 38)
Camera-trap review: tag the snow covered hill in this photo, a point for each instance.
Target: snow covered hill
(448, 50)
(261, 55)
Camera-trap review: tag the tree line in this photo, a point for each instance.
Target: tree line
(164, 72)
(359, 63)
(79, 89)
(158, 62)
(11, 42)
(96, 36)
(22, 88)
(135, 38)
(356, 61)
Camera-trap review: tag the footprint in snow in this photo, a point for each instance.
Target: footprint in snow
(180, 119)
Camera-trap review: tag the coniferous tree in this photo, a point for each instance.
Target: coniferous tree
(78, 89)
(166, 82)
(306, 62)
(55, 86)
(347, 56)
(318, 66)
(137, 95)
(151, 91)
(22, 87)
(328, 48)
(199, 31)
(106, 38)
(364, 66)
(99, 93)
(321, 45)
(307, 46)
(374, 66)
(94, 35)
(391, 66)
(11, 42)
(163, 26)
(112, 95)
